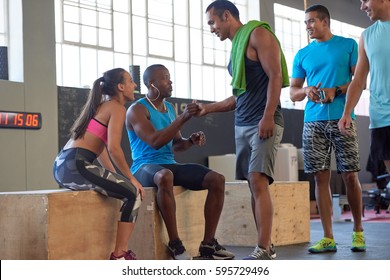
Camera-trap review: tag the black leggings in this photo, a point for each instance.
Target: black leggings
(74, 169)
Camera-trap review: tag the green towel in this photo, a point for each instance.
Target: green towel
(239, 44)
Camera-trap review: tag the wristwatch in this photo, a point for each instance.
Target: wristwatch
(339, 91)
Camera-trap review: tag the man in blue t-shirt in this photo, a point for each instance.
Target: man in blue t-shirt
(328, 64)
(373, 58)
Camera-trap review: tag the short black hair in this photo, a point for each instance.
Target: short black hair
(322, 12)
(222, 5)
(150, 72)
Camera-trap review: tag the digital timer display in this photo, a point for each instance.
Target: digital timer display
(24, 120)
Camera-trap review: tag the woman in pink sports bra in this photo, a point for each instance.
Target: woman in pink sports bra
(96, 135)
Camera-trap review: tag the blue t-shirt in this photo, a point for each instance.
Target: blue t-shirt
(377, 49)
(141, 152)
(330, 63)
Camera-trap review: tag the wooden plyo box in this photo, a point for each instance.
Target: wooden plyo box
(150, 237)
(291, 222)
(81, 225)
(57, 224)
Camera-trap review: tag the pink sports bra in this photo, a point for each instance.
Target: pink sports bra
(98, 129)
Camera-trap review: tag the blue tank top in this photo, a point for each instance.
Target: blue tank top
(250, 105)
(377, 50)
(141, 152)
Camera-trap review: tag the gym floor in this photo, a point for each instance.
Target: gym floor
(377, 234)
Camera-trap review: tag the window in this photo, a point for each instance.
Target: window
(3, 23)
(11, 40)
(291, 31)
(95, 35)
(86, 43)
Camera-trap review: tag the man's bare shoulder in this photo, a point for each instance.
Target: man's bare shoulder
(135, 105)
(261, 36)
(261, 31)
(136, 109)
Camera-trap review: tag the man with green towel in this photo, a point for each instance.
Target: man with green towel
(258, 72)
(328, 64)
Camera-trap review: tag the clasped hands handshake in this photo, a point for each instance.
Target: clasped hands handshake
(194, 109)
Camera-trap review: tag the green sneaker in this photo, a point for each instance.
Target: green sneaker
(358, 242)
(324, 245)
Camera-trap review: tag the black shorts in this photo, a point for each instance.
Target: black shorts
(189, 176)
(380, 143)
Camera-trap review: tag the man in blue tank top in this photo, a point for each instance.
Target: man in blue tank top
(154, 133)
(374, 51)
(327, 64)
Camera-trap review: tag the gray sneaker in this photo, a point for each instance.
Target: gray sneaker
(258, 254)
(177, 250)
(214, 251)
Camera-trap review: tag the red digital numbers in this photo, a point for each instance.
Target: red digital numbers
(20, 120)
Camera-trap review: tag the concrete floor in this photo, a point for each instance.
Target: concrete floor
(377, 241)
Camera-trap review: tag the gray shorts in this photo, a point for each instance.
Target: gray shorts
(320, 138)
(254, 154)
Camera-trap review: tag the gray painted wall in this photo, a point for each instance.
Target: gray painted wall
(26, 156)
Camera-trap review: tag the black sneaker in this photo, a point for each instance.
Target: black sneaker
(214, 251)
(177, 250)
